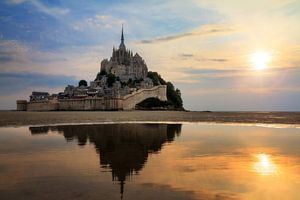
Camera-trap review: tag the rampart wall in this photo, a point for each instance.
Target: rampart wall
(42, 106)
(90, 104)
(127, 102)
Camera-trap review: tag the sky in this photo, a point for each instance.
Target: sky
(206, 48)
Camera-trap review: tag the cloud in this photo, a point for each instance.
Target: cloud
(213, 59)
(288, 75)
(244, 90)
(81, 62)
(5, 58)
(210, 71)
(246, 80)
(15, 1)
(166, 38)
(201, 59)
(16, 51)
(52, 11)
(99, 22)
(206, 30)
(219, 89)
(12, 47)
(186, 55)
(16, 82)
(12, 50)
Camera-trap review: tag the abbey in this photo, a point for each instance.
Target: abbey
(121, 83)
(130, 72)
(124, 65)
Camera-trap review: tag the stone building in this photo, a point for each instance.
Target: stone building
(39, 96)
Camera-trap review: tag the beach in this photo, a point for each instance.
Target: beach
(15, 118)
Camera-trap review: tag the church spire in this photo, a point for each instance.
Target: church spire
(122, 36)
(122, 45)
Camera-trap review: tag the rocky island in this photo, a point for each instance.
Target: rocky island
(123, 83)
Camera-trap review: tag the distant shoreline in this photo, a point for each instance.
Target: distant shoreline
(16, 118)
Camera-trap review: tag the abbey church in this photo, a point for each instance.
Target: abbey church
(130, 72)
(124, 65)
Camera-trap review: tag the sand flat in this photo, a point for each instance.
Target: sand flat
(16, 118)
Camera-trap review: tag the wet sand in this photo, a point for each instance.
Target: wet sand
(14, 118)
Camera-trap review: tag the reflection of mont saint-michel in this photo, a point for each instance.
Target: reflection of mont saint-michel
(123, 83)
(123, 148)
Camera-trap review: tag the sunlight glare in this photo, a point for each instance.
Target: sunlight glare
(265, 165)
(260, 59)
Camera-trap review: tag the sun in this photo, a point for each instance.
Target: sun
(260, 59)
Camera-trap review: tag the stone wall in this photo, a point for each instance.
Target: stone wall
(21, 105)
(42, 106)
(126, 103)
(90, 104)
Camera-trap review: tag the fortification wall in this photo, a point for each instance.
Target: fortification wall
(42, 106)
(129, 101)
(21, 105)
(126, 103)
(90, 104)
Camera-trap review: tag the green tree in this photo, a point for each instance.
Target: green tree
(174, 96)
(103, 72)
(129, 82)
(156, 78)
(82, 83)
(111, 79)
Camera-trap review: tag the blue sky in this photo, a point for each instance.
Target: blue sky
(203, 47)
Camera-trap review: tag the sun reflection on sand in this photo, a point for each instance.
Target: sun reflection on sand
(265, 165)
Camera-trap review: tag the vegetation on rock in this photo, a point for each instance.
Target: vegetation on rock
(111, 79)
(173, 95)
(82, 83)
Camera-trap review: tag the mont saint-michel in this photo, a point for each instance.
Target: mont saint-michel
(113, 127)
(123, 83)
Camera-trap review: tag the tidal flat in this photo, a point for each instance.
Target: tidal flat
(15, 118)
(149, 161)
